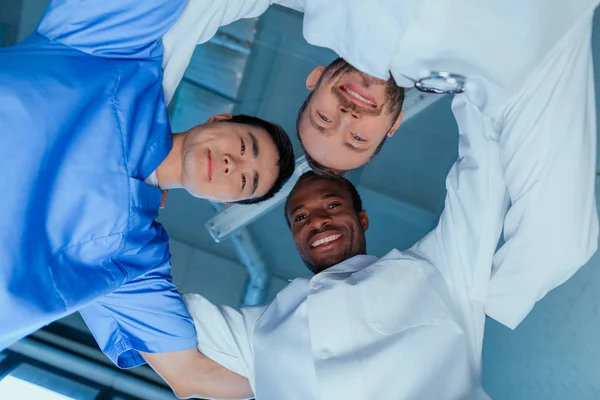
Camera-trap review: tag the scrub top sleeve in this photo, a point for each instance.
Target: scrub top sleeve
(111, 28)
(549, 156)
(225, 334)
(197, 24)
(146, 314)
(462, 245)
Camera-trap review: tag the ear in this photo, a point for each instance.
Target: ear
(314, 76)
(394, 127)
(364, 220)
(219, 117)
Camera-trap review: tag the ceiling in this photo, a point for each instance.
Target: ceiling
(258, 67)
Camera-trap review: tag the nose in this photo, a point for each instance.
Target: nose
(348, 112)
(320, 220)
(229, 164)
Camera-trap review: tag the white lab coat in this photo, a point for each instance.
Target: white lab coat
(496, 45)
(364, 329)
(197, 24)
(410, 325)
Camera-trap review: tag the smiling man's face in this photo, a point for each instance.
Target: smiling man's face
(326, 226)
(227, 161)
(348, 115)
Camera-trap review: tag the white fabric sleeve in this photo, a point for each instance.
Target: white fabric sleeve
(549, 155)
(462, 245)
(225, 334)
(199, 22)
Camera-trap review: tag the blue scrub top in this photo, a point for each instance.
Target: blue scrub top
(83, 123)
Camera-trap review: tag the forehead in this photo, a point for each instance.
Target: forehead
(313, 189)
(242, 129)
(332, 150)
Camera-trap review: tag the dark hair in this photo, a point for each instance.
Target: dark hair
(356, 200)
(286, 162)
(394, 95)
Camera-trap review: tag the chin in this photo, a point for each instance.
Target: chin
(193, 188)
(319, 265)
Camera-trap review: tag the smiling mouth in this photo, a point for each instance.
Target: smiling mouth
(357, 97)
(325, 240)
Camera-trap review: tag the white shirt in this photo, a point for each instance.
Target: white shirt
(496, 45)
(152, 179)
(410, 325)
(406, 326)
(351, 333)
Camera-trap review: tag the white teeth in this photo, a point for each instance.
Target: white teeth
(359, 97)
(325, 240)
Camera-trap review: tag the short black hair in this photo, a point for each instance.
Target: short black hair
(356, 200)
(286, 162)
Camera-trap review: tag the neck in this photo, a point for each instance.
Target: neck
(170, 171)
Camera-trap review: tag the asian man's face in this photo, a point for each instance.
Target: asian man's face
(225, 161)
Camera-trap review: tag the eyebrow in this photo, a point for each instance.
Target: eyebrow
(255, 150)
(298, 207)
(254, 182)
(324, 197)
(328, 196)
(255, 153)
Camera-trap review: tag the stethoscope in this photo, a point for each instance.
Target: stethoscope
(440, 82)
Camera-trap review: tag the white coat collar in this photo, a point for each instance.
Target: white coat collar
(346, 27)
(353, 264)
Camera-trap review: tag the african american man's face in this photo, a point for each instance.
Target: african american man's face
(325, 226)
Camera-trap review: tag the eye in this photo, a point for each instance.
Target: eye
(323, 118)
(334, 205)
(243, 181)
(243, 147)
(299, 218)
(358, 138)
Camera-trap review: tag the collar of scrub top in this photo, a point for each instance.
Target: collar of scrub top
(440, 82)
